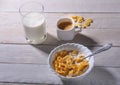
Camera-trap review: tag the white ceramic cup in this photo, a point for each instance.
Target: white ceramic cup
(67, 34)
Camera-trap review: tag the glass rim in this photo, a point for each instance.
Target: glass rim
(30, 2)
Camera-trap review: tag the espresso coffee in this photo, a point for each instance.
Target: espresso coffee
(65, 25)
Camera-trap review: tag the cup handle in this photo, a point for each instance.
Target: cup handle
(78, 29)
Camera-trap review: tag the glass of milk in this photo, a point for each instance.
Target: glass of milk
(33, 20)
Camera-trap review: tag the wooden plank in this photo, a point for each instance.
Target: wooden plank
(11, 30)
(27, 74)
(67, 5)
(42, 74)
(24, 53)
(98, 76)
(6, 83)
(27, 54)
(101, 20)
(89, 37)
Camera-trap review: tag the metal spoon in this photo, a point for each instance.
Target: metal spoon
(104, 48)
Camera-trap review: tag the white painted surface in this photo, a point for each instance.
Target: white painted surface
(23, 64)
(67, 5)
(41, 74)
(27, 54)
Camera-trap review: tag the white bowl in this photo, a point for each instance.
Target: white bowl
(71, 46)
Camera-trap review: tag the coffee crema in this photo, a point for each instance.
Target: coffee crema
(65, 25)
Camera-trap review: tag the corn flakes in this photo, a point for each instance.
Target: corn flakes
(67, 65)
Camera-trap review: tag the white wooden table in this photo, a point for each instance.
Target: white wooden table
(24, 64)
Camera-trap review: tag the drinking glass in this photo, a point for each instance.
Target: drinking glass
(33, 21)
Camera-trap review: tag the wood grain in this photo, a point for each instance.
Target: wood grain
(87, 37)
(27, 54)
(23, 64)
(106, 26)
(66, 5)
(42, 74)
(17, 83)
(101, 20)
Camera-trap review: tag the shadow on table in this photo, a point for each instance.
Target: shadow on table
(98, 76)
(79, 38)
(52, 42)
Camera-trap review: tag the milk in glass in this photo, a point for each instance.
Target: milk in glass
(34, 26)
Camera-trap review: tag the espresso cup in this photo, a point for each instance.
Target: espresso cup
(66, 29)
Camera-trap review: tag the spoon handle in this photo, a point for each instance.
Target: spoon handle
(104, 48)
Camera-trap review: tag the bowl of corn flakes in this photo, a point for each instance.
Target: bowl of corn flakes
(67, 61)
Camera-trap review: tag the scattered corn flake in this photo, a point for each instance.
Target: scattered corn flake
(80, 19)
(74, 18)
(81, 22)
(89, 20)
(87, 23)
(83, 26)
